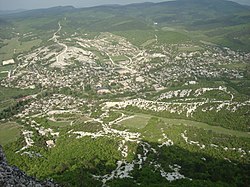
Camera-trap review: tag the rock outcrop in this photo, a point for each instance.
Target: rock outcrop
(12, 176)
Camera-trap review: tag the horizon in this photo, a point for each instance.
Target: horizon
(29, 5)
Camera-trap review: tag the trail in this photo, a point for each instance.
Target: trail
(60, 57)
(156, 38)
(55, 34)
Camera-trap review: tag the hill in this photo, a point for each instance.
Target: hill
(148, 94)
(219, 21)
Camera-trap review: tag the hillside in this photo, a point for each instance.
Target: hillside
(223, 22)
(12, 176)
(148, 94)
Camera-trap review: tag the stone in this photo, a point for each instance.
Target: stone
(11, 176)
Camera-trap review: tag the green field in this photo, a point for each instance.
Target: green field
(140, 121)
(172, 37)
(9, 132)
(12, 93)
(13, 46)
(119, 58)
(137, 37)
(189, 49)
(3, 75)
(51, 124)
(6, 68)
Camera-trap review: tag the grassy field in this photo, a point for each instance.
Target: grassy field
(61, 120)
(119, 58)
(10, 93)
(14, 46)
(171, 37)
(3, 75)
(149, 42)
(140, 121)
(137, 37)
(9, 132)
(6, 68)
(6, 104)
(205, 126)
(58, 123)
(49, 123)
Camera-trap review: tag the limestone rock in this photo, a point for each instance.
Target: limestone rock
(11, 176)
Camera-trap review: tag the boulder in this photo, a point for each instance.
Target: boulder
(13, 176)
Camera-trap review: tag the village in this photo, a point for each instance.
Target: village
(112, 74)
(111, 64)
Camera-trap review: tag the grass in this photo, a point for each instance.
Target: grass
(6, 67)
(119, 58)
(149, 42)
(147, 37)
(137, 37)
(11, 93)
(81, 119)
(49, 123)
(189, 49)
(140, 121)
(4, 70)
(171, 37)
(205, 126)
(111, 117)
(61, 121)
(3, 75)
(7, 52)
(9, 132)
(5, 104)
(98, 54)
(58, 123)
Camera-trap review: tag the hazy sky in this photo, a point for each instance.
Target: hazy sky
(34, 4)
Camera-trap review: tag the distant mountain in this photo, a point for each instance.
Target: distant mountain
(3, 12)
(208, 16)
(45, 12)
(185, 11)
(174, 12)
(243, 2)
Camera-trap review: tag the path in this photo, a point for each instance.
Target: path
(60, 57)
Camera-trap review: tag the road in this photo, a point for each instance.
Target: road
(60, 57)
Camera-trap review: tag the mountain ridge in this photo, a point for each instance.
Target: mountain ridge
(229, 4)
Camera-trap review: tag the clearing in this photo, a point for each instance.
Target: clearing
(9, 132)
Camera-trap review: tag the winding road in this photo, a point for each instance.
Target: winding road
(60, 56)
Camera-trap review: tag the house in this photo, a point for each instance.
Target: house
(7, 62)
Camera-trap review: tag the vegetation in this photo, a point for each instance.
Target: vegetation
(179, 106)
(14, 46)
(9, 132)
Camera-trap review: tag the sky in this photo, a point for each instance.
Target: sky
(34, 4)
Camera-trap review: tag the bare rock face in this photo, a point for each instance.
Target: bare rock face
(11, 176)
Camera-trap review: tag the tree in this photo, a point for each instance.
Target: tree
(87, 87)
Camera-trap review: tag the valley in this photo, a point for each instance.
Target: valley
(135, 101)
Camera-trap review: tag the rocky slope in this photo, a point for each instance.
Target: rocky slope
(13, 176)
